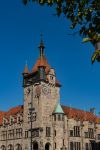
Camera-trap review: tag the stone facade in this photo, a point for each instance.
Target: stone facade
(42, 123)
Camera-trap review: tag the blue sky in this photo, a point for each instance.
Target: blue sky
(20, 29)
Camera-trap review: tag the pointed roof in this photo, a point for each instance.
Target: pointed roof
(26, 70)
(59, 109)
(42, 61)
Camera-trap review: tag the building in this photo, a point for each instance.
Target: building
(42, 123)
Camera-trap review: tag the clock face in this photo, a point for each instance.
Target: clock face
(46, 90)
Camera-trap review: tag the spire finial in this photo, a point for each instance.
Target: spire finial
(41, 47)
(26, 71)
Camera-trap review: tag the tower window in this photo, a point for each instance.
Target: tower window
(55, 132)
(63, 142)
(55, 146)
(54, 117)
(48, 131)
(51, 77)
(59, 117)
(63, 118)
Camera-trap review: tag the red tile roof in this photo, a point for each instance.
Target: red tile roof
(1, 116)
(42, 61)
(26, 70)
(80, 114)
(13, 111)
(70, 112)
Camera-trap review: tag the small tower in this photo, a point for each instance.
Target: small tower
(26, 70)
(59, 127)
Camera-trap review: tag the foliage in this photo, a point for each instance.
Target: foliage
(84, 14)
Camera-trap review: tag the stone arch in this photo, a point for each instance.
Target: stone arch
(10, 147)
(3, 147)
(35, 145)
(18, 147)
(47, 146)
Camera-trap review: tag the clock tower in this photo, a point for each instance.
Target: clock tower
(41, 96)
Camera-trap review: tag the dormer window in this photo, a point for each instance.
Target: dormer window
(51, 77)
(19, 119)
(4, 122)
(11, 120)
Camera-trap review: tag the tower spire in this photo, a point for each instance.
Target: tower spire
(26, 70)
(41, 46)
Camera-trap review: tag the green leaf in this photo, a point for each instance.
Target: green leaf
(94, 56)
(86, 40)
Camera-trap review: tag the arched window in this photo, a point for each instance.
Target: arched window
(47, 146)
(18, 147)
(35, 146)
(10, 147)
(71, 146)
(3, 147)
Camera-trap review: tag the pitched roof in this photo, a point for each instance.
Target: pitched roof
(69, 112)
(41, 61)
(26, 70)
(80, 114)
(13, 111)
(1, 116)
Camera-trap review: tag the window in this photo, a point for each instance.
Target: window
(55, 132)
(98, 136)
(76, 131)
(62, 117)
(5, 121)
(87, 146)
(19, 133)
(75, 146)
(71, 132)
(26, 134)
(71, 146)
(63, 142)
(10, 147)
(10, 134)
(51, 77)
(48, 132)
(59, 117)
(19, 119)
(4, 135)
(91, 133)
(35, 133)
(55, 146)
(54, 117)
(32, 116)
(86, 134)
